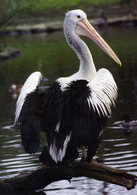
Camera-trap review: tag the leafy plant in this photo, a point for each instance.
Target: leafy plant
(10, 9)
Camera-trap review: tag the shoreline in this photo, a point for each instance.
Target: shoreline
(50, 22)
(43, 27)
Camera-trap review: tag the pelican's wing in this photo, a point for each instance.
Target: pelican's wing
(29, 113)
(103, 92)
(29, 86)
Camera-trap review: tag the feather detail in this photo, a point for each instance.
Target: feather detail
(103, 92)
(58, 154)
(29, 86)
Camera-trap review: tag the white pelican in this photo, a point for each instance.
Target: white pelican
(74, 110)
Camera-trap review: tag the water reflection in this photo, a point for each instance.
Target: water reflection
(13, 160)
(44, 52)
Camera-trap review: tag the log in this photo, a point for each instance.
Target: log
(57, 25)
(44, 176)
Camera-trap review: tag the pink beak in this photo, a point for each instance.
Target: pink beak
(84, 28)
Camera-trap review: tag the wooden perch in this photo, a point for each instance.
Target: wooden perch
(44, 176)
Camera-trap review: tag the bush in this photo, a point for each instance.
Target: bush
(10, 9)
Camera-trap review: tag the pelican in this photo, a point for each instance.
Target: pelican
(73, 111)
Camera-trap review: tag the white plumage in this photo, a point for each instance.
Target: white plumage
(29, 86)
(104, 92)
(58, 155)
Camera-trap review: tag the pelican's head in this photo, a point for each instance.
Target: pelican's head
(76, 21)
(74, 16)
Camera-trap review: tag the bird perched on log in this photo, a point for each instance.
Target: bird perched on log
(74, 110)
(128, 124)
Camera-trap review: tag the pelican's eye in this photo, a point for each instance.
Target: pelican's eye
(78, 16)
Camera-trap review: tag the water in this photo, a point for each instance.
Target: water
(50, 54)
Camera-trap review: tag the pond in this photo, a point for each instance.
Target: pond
(50, 54)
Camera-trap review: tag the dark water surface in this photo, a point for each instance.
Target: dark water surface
(50, 54)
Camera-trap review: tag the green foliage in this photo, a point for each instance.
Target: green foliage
(9, 9)
(59, 4)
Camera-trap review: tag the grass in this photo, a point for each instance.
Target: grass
(41, 5)
(59, 4)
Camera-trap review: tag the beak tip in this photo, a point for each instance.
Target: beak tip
(120, 63)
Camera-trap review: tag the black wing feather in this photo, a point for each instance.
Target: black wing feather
(55, 114)
(71, 109)
(31, 121)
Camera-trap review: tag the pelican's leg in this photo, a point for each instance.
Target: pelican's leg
(84, 153)
(92, 148)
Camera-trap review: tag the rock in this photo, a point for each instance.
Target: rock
(9, 53)
(35, 28)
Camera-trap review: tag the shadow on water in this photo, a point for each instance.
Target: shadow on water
(25, 193)
(50, 54)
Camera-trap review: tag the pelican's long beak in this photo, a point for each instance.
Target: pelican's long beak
(86, 29)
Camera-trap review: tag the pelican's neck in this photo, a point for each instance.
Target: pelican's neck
(87, 68)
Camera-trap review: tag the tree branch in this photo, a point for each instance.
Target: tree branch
(44, 176)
